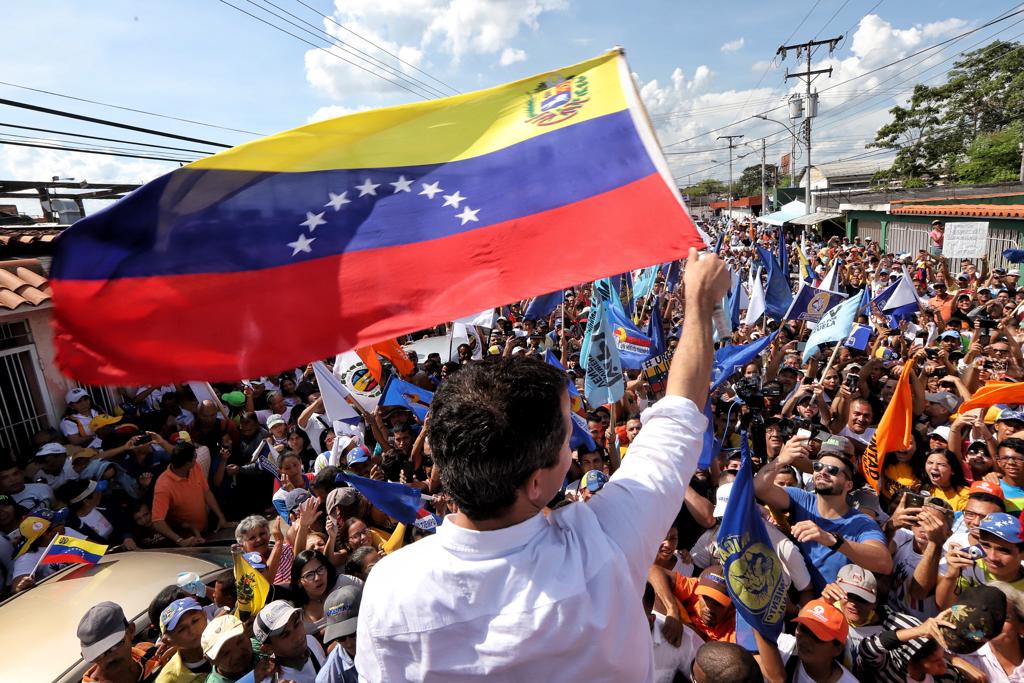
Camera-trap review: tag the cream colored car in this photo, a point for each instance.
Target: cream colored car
(38, 627)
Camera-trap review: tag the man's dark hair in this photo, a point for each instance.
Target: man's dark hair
(182, 454)
(492, 426)
(989, 498)
(721, 661)
(165, 597)
(325, 479)
(1013, 443)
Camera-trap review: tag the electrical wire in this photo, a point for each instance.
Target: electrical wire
(91, 151)
(95, 137)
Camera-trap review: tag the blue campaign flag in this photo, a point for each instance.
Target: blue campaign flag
(718, 242)
(810, 303)
(730, 359)
(542, 306)
(898, 301)
(835, 326)
(604, 382)
(783, 253)
(859, 337)
(656, 332)
(400, 502)
(644, 283)
(398, 392)
(711, 445)
(634, 346)
(581, 434)
(1014, 255)
(672, 275)
(753, 571)
(778, 293)
(575, 400)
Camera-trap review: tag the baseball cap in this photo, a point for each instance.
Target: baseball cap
(100, 629)
(51, 449)
(31, 528)
(180, 437)
(219, 631)
(1011, 415)
(80, 489)
(790, 368)
(191, 584)
(255, 560)
(295, 498)
(858, 581)
(1002, 525)
(88, 453)
(341, 497)
(977, 617)
(75, 395)
(722, 499)
(824, 620)
(494, 350)
(235, 399)
(712, 584)
(977, 444)
(341, 612)
(944, 399)
(836, 445)
(357, 455)
(173, 612)
(950, 334)
(101, 421)
(274, 420)
(273, 619)
(594, 480)
(991, 488)
(942, 431)
(867, 499)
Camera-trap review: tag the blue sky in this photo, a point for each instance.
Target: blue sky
(697, 63)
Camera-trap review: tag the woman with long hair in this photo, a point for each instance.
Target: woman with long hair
(313, 578)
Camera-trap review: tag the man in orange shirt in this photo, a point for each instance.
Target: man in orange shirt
(942, 301)
(182, 499)
(706, 602)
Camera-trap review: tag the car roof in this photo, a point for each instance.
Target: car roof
(39, 626)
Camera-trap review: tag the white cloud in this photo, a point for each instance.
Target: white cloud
(732, 45)
(332, 111)
(687, 107)
(511, 55)
(760, 66)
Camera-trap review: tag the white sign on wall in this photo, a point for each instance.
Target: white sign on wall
(965, 240)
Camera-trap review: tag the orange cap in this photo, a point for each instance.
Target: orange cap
(824, 621)
(982, 486)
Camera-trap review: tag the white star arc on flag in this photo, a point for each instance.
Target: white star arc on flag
(368, 187)
(454, 199)
(430, 189)
(468, 214)
(402, 185)
(337, 200)
(302, 244)
(313, 220)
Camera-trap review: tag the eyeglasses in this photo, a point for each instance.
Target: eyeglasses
(969, 514)
(1005, 458)
(830, 470)
(359, 534)
(313, 573)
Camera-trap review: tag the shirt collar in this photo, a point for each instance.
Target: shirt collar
(484, 544)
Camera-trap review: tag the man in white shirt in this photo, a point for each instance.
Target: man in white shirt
(278, 627)
(504, 590)
(669, 659)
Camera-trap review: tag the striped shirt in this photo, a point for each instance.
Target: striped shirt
(885, 659)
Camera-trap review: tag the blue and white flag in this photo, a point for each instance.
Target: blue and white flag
(542, 306)
(262, 459)
(399, 502)
(859, 337)
(778, 294)
(580, 433)
(643, 284)
(834, 326)
(898, 301)
(634, 346)
(731, 359)
(756, 305)
(831, 279)
(604, 382)
(398, 392)
(711, 445)
(753, 572)
(333, 393)
(810, 303)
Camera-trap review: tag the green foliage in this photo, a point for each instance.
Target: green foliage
(749, 183)
(936, 133)
(992, 157)
(708, 186)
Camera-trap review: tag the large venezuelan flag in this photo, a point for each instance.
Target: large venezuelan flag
(351, 231)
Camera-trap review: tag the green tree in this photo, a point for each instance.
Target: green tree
(749, 183)
(708, 186)
(992, 157)
(933, 135)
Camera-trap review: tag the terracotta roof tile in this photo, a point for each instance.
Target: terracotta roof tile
(23, 282)
(1013, 211)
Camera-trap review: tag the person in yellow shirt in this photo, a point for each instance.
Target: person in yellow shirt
(945, 478)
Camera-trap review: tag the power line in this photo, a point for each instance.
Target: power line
(847, 32)
(318, 47)
(830, 19)
(90, 151)
(363, 38)
(320, 34)
(106, 122)
(137, 111)
(95, 137)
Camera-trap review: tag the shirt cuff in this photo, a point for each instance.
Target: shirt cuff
(677, 408)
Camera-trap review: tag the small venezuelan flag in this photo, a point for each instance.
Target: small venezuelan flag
(68, 549)
(367, 227)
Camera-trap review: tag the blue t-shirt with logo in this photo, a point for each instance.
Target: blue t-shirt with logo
(822, 563)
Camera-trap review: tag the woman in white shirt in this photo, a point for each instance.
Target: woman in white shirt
(75, 425)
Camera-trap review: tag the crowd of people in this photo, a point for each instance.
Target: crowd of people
(919, 578)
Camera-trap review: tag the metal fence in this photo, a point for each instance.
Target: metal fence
(23, 407)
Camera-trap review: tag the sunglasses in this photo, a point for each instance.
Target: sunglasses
(830, 470)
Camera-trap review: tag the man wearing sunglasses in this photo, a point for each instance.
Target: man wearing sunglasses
(829, 532)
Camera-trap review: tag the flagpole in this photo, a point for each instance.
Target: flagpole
(831, 360)
(41, 557)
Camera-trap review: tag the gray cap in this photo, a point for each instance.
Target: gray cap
(837, 445)
(342, 497)
(272, 619)
(102, 627)
(295, 498)
(341, 612)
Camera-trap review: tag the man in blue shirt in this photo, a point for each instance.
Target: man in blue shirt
(828, 531)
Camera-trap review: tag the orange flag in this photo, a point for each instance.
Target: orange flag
(894, 431)
(388, 349)
(995, 392)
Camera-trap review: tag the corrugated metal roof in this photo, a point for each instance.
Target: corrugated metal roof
(814, 218)
(1012, 211)
(23, 283)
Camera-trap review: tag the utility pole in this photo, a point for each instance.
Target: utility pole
(732, 144)
(764, 194)
(812, 100)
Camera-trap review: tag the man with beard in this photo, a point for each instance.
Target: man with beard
(829, 532)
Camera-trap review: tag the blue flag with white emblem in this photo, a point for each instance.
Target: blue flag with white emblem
(604, 382)
(810, 303)
(398, 392)
(732, 358)
(753, 571)
(634, 346)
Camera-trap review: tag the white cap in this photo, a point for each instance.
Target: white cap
(75, 395)
(275, 419)
(942, 431)
(722, 499)
(219, 631)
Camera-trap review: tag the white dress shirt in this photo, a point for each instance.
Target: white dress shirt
(669, 659)
(517, 604)
(985, 660)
